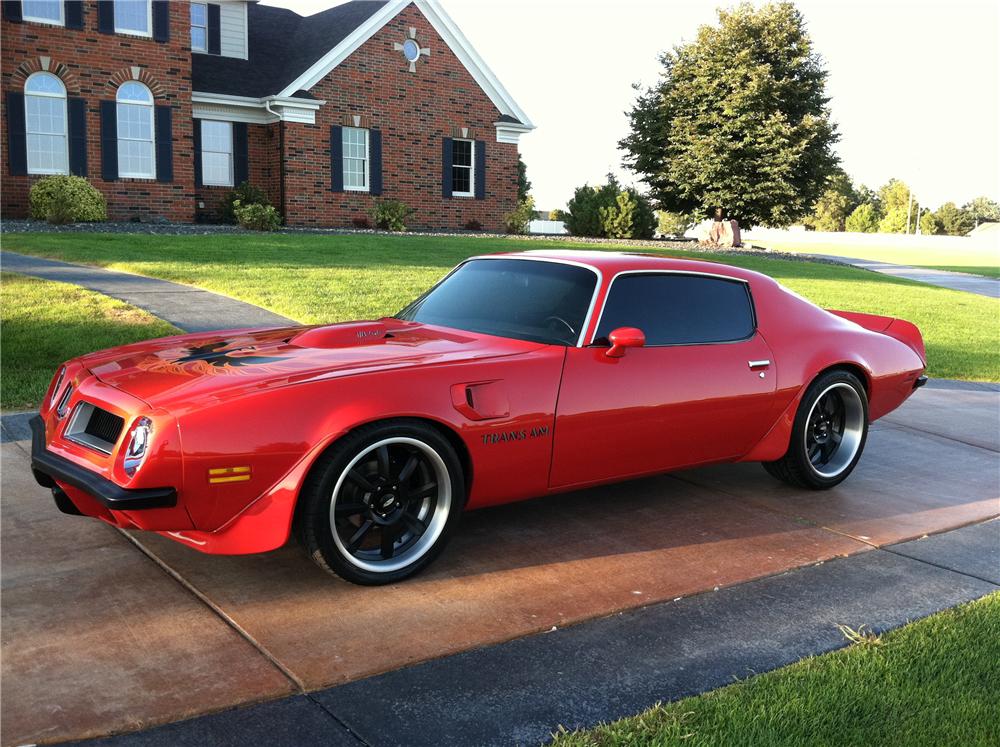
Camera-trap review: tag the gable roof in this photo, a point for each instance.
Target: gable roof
(289, 53)
(281, 45)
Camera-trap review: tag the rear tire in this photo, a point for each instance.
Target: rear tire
(828, 436)
(381, 503)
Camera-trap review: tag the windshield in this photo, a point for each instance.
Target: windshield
(529, 300)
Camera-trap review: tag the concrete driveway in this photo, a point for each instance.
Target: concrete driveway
(105, 633)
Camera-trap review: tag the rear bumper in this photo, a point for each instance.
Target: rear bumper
(921, 380)
(50, 468)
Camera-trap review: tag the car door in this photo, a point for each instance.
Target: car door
(700, 390)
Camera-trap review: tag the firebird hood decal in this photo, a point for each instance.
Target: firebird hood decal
(212, 365)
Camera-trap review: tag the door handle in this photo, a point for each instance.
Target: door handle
(758, 364)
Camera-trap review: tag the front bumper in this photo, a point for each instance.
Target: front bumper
(49, 467)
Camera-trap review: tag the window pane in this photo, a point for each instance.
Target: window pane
(50, 10)
(461, 179)
(135, 158)
(45, 115)
(679, 309)
(461, 152)
(217, 169)
(198, 38)
(47, 153)
(132, 15)
(355, 143)
(216, 136)
(134, 92)
(44, 83)
(135, 122)
(199, 14)
(510, 298)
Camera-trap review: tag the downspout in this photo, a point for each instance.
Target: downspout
(281, 157)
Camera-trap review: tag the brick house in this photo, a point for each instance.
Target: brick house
(165, 106)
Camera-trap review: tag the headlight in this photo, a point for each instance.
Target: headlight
(55, 387)
(138, 445)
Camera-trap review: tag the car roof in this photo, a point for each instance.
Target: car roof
(612, 263)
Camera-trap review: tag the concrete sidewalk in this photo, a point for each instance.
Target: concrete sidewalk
(978, 284)
(187, 308)
(104, 634)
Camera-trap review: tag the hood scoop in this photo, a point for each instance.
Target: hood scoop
(342, 335)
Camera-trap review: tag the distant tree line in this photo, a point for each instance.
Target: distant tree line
(893, 209)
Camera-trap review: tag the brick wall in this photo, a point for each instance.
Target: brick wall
(414, 111)
(92, 65)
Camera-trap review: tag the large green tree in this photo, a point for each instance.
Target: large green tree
(523, 185)
(983, 210)
(898, 213)
(738, 119)
(954, 220)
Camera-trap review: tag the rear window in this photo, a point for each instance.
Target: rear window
(679, 309)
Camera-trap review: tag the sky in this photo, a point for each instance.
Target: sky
(914, 85)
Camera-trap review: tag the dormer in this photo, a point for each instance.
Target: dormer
(219, 28)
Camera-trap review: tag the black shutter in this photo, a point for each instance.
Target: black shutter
(164, 144)
(77, 109)
(12, 11)
(197, 153)
(375, 161)
(241, 154)
(336, 159)
(109, 140)
(17, 140)
(73, 14)
(106, 16)
(214, 29)
(480, 156)
(446, 163)
(161, 20)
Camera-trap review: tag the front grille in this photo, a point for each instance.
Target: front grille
(94, 427)
(104, 425)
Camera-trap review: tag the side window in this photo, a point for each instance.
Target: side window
(136, 158)
(216, 153)
(199, 27)
(462, 177)
(355, 141)
(679, 309)
(45, 124)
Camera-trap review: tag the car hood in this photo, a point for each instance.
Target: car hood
(194, 369)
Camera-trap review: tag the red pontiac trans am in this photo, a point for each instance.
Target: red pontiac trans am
(517, 375)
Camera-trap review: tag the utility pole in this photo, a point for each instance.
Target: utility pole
(909, 209)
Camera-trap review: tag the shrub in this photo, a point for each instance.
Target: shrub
(609, 211)
(361, 222)
(473, 225)
(518, 219)
(245, 194)
(257, 217)
(557, 215)
(864, 219)
(930, 225)
(390, 215)
(66, 199)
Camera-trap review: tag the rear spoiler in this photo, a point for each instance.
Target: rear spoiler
(899, 329)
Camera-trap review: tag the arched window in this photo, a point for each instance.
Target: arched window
(45, 124)
(136, 157)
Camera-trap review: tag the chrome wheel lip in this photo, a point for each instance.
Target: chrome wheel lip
(853, 430)
(435, 522)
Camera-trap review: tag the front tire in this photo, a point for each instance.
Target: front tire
(380, 505)
(828, 436)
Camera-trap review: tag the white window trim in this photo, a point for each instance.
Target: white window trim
(152, 132)
(193, 26)
(133, 32)
(368, 162)
(231, 154)
(65, 100)
(49, 21)
(471, 167)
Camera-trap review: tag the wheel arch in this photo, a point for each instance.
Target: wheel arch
(851, 367)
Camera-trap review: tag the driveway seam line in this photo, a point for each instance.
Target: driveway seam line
(901, 426)
(219, 612)
(938, 565)
(335, 717)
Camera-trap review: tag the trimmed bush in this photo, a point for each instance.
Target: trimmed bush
(673, 224)
(257, 217)
(245, 194)
(518, 219)
(66, 199)
(864, 219)
(390, 215)
(610, 212)
(473, 225)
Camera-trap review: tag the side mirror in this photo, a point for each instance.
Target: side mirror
(622, 338)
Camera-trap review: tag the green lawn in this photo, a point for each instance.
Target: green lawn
(322, 278)
(933, 682)
(46, 323)
(977, 258)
